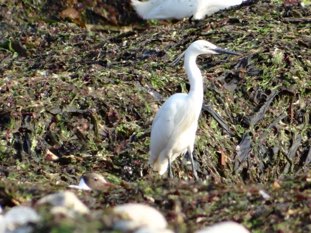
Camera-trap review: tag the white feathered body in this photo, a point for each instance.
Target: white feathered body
(173, 130)
(209, 7)
(164, 9)
(178, 9)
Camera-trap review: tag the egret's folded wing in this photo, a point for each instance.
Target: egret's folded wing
(167, 119)
(209, 7)
(165, 9)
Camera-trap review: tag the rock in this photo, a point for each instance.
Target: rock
(65, 203)
(2, 224)
(138, 216)
(17, 220)
(224, 227)
(152, 230)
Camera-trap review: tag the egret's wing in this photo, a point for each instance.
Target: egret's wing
(166, 9)
(145, 9)
(170, 120)
(209, 7)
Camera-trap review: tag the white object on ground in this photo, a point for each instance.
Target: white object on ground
(178, 9)
(225, 227)
(2, 224)
(64, 202)
(17, 218)
(264, 194)
(134, 216)
(152, 230)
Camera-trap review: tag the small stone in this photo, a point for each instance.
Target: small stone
(136, 216)
(2, 224)
(17, 218)
(224, 227)
(152, 230)
(65, 203)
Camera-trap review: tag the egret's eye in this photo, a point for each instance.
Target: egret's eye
(95, 179)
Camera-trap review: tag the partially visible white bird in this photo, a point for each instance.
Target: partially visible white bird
(178, 9)
(224, 227)
(175, 124)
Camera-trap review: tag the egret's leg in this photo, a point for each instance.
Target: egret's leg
(195, 174)
(170, 172)
(190, 19)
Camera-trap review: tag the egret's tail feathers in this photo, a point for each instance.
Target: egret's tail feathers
(159, 165)
(142, 8)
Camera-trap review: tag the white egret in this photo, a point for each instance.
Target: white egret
(178, 9)
(224, 227)
(175, 124)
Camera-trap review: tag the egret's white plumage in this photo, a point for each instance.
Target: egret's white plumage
(225, 227)
(178, 9)
(174, 127)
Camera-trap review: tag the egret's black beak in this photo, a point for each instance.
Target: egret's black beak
(225, 51)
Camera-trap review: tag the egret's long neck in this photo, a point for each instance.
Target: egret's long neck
(194, 76)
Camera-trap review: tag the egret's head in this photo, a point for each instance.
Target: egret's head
(200, 47)
(204, 47)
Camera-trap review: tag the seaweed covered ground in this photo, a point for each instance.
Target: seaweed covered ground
(81, 81)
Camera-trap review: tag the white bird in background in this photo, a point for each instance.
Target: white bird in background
(175, 124)
(178, 9)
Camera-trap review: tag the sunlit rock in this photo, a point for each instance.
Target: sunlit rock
(224, 227)
(2, 224)
(135, 216)
(65, 203)
(18, 219)
(152, 230)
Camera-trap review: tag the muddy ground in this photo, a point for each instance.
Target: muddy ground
(80, 83)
